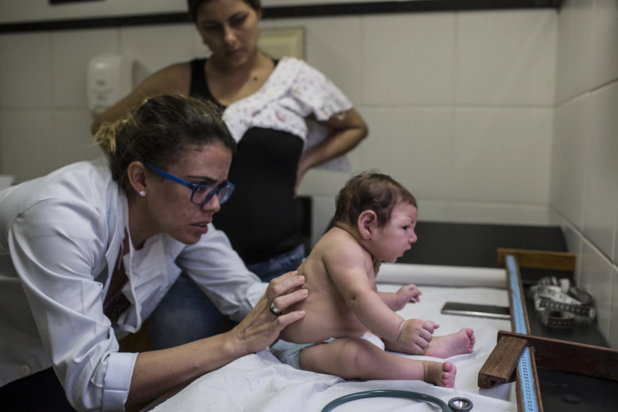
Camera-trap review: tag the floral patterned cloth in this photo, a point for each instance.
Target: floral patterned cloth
(293, 92)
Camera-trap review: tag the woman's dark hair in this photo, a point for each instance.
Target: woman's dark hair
(370, 191)
(194, 4)
(159, 131)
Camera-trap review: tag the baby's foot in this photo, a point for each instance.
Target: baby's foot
(451, 345)
(441, 374)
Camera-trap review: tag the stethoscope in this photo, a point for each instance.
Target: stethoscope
(454, 405)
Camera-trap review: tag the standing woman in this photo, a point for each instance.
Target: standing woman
(88, 251)
(266, 105)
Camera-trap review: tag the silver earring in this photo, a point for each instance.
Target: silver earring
(142, 193)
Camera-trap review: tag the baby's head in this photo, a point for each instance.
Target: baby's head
(382, 211)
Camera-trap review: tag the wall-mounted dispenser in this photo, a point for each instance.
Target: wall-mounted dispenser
(110, 78)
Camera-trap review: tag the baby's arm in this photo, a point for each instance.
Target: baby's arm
(406, 294)
(397, 301)
(345, 264)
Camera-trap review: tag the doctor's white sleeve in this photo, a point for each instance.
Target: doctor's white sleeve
(55, 246)
(221, 274)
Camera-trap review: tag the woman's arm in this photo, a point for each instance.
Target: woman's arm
(157, 372)
(172, 79)
(220, 273)
(56, 258)
(349, 129)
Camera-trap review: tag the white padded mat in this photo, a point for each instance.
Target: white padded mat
(261, 383)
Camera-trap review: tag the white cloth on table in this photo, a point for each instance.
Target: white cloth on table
(60, 236)
(293, 92)
(260, 382)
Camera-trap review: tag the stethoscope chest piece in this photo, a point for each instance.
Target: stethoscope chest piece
(460, 404)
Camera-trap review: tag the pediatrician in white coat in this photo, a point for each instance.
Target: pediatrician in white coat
(87, 253)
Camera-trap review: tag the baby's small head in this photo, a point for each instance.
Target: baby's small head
(379, 208)
(370, 191)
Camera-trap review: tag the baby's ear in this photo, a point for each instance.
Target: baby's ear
(367, 224)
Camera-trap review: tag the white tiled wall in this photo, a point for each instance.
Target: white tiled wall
(71, 53)
(577, 33)
(459, 105)
(72, 136)
(26, 71)
(27, 143)
(601, 169)
(605, 41)
(462, 109)
(597, 274)
(146, 45)
(569, 155)
(408, 59)
(418, 143)
(521, 70)
(584, 193)
(502, 155)
(613, 320)
(333, 44)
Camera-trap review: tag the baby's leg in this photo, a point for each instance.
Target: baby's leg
(451, 345)
(359, 359)
(442, 346)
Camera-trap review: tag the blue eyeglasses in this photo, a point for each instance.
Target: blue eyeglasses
(201, 193)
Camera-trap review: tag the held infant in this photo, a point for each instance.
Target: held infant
(348, 323)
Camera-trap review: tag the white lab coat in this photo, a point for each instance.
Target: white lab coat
(60, 236)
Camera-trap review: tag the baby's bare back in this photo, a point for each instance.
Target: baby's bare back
(327, 314)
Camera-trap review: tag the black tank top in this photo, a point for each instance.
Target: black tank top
(262, 219)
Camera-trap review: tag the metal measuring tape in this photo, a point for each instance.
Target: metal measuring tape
(558, 309)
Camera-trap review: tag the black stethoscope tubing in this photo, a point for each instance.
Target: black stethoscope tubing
(454, 405)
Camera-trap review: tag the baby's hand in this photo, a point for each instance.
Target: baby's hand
(416, 334)
(407, 294)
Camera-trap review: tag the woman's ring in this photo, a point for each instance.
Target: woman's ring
(274, 310)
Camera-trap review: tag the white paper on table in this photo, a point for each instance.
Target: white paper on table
(259, 382)
(434, 275)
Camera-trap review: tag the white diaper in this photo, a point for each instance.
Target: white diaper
(289, 352)
(374, 339)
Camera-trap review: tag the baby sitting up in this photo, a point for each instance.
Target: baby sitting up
(348, 323)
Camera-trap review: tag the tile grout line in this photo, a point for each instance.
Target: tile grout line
(453, 115)
(613, 266)
(581, 235)
(54, 131)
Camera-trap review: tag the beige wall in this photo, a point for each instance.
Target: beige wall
(584, 190)
(460, 105)
(462, 108)
(13, 11)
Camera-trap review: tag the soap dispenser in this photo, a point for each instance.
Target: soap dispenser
(110, 78)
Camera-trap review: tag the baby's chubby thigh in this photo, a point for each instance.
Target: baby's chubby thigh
(349, 358)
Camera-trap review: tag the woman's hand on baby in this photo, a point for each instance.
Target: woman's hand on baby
(416, 334)
(408, 294)
(261, 328)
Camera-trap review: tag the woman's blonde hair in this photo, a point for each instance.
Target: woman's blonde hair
(159, 131)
